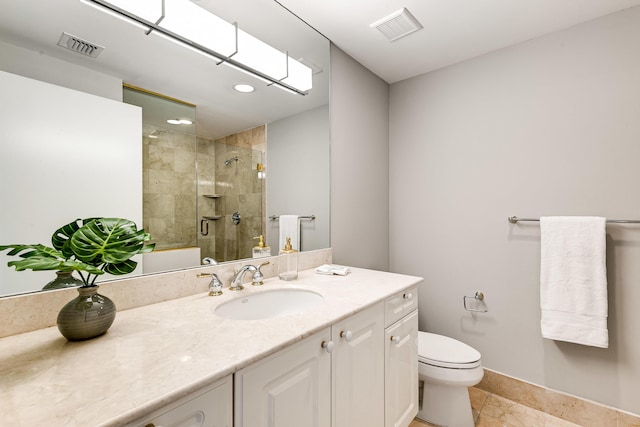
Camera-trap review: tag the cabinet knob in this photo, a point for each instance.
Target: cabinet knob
(347, 335)
(328, 346)
(395, 339)
(408, 296)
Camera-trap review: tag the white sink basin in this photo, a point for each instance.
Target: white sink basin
(269, 304)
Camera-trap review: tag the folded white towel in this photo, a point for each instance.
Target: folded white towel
(331, 269)
(573, 280)
(290, 227)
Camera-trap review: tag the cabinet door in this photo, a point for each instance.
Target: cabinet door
(209, 407)
(401, 371)
(358, 369)
(291, 388)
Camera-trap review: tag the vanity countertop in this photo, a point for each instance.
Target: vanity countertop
(156, 354)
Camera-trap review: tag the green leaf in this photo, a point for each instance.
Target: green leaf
(91, 245)
(62, 236)
(109, 242)
(40, 257)
(120, 268)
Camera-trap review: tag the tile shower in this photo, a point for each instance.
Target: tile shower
(186, 178)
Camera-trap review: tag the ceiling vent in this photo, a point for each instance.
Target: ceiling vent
(80, 46)
(397, 25)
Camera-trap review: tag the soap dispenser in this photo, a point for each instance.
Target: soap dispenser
(261, 250)
(288, 262)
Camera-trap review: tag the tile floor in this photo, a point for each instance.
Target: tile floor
(490, 410)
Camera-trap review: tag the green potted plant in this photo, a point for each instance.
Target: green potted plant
(91, 247)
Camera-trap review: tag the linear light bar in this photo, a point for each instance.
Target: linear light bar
(199, 29)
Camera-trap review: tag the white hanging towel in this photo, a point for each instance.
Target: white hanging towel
(290, 227)
(573, 280)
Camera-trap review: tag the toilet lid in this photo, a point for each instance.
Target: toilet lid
(447, 352)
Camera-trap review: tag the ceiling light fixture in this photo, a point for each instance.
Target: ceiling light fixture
(244, 88)
(193, 26)
(179, 122)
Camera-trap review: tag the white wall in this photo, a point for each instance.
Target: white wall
(547, 127)
(359, 164)
(298, 176)
(65, 155)
(41, 67)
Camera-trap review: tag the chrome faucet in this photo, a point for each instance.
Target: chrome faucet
(238, 276)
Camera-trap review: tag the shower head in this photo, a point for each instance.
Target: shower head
(228, 161)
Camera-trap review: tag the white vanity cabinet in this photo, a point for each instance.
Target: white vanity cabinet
(401, 358)
(354, 374)
(291, 388)
(358, 369)
(338, 385)
(211, 406)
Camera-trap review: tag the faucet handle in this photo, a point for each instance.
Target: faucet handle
(257, 278)
(215, 286)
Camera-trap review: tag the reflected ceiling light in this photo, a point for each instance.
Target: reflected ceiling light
(244, 88)
(195, 27)
(179, 122)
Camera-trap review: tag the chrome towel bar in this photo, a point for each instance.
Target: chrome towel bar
(514, 220)
(309, 217)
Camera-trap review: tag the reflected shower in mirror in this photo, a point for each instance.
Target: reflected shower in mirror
(41, 181)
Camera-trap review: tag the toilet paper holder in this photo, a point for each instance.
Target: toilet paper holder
(478, 297)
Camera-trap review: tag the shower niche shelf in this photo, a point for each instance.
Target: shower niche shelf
(212, 217)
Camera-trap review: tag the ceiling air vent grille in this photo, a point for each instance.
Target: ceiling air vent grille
(79, 45)
(397, 25)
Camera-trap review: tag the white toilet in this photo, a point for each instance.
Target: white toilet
(446, 368)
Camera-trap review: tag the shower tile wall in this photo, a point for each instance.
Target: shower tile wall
(240, 191)
(169, 188)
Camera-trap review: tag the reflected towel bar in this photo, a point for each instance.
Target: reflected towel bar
(514, 220)
(309, 217)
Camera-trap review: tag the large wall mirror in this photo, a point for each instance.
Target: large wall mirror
(203, 190)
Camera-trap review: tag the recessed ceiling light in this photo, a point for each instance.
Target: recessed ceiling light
(179, 122)
(244, 88)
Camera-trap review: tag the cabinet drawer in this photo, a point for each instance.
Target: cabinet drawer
(208, 407)
(399, 305)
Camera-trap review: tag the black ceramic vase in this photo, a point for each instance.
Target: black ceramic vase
(87, 316)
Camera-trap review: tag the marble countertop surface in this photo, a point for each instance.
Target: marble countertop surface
(156, 354)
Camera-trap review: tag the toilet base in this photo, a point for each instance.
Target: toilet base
(446, 406)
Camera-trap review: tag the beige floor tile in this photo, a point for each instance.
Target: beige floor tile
(580, 411)
(519, 391)
(488, 381)
(551, 421)
(477, 398)
(485, 420)
(419, 423)
(510, 413)
(628, 420)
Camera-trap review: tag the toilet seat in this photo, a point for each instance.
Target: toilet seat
(445, 352)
